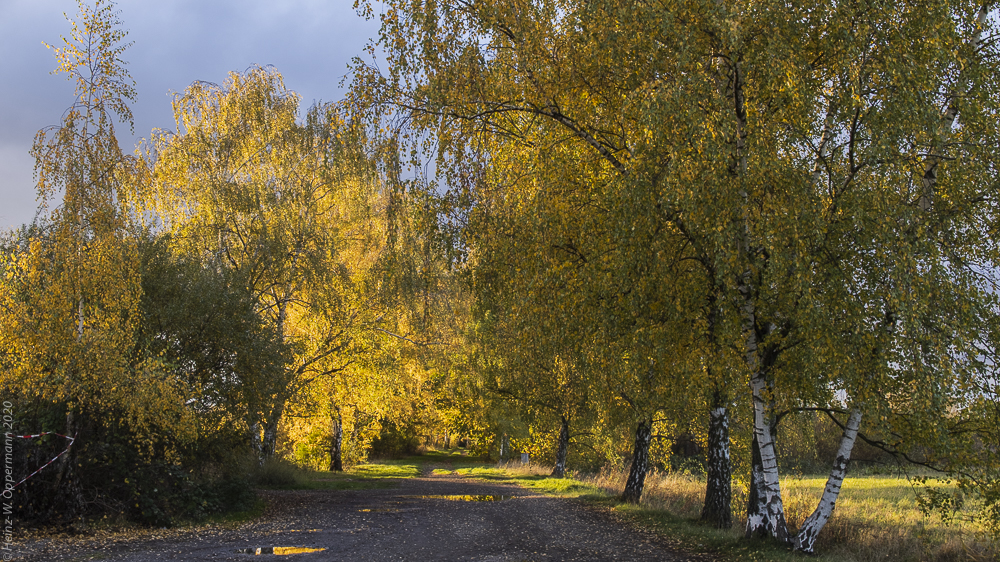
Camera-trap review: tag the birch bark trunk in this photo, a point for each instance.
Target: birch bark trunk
(560, 469)
(805, 540)
(768, 517)
(718, 493)
(640, 463)
(504, 447)
(267, 440)
(337, 441)
(754, 510)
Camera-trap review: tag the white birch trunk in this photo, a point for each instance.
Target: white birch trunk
(717, 509)
(504, 446)
(770, 516)
(264, 435)
(769, 519)
(270, 437)
(257, 442)
(805, 540)
(640, 463)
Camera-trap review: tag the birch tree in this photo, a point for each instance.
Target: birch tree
(88, 263)
(71, 300)
(282, 203)
(462, 105)
(778, 152)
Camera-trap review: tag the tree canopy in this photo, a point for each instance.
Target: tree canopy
(581, 229)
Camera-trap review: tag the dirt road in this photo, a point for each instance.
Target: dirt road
(428, 518)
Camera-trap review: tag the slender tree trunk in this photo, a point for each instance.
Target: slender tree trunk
(806, 538)
(264, 442)
(718, 509)
(256, 442)
(66, 496)
(754, 513)
(560, 469)
(336, 441)
(64, 464)
(447, 440)
(640, 463)
(270, 438)
(504, 447)
(768, 517)
(79, 281)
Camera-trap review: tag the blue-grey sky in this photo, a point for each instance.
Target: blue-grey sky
(175, 43)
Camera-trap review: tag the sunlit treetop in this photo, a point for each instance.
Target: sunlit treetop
(92, 57)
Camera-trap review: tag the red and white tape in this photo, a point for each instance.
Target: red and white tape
(66, 450)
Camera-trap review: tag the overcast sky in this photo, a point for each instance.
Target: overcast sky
(175, 43)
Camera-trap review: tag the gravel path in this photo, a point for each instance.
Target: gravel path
(429, 518)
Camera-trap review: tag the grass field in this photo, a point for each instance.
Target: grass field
(876, 519)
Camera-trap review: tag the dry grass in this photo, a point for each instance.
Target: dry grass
(876, 518)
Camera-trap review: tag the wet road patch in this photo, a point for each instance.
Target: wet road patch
(466, 498)
(279, 550)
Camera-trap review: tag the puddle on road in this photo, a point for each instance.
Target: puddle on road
(279, 550)
(448, 497)
(481, 498)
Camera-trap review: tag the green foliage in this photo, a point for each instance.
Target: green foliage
(396, 440)
(120, 471)
(284, 205)
(635, 207)
(973, 464)
(676, 198)
(78, 357)
(314, 451)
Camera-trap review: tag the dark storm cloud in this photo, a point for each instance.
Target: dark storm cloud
(175, 43)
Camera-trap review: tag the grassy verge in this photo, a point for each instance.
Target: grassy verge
(876, 519)
(281, 475)
(284, 476)
(537, 481)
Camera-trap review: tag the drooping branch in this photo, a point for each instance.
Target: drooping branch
(404, 338)
(947, 123)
